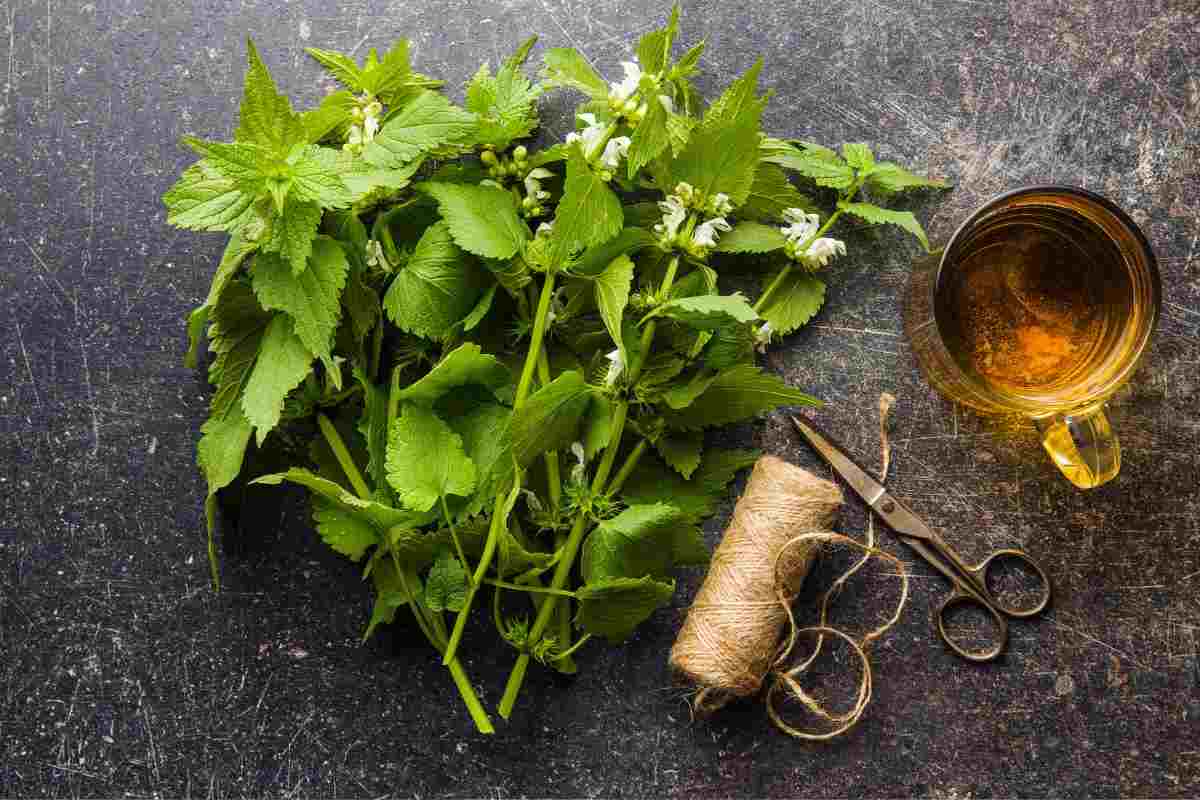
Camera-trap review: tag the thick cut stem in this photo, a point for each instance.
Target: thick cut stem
(498, 512)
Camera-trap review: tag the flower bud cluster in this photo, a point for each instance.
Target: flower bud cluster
(366, 115)
(682, 210)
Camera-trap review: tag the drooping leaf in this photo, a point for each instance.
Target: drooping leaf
(482, 219)
(681, 451)
(880, 216)
(426, 461)
(236, 252)
(382, 518)
(794, 302)
(736, 394)
(612, 295)
(614, 607)
(345, 532)
(635, 543)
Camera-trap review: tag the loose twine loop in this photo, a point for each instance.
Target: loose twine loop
(730, 643)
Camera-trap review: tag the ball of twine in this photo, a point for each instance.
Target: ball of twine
(731, 635)
(730, 641)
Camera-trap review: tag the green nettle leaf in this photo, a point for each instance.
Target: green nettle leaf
(594, 260)
(751, 237)
(373, 426)
(589, 213)
(482, 219)
(293, 232)
(707, 312)
(283, 361)
(481, 431)
(315, 178)
(730, 346)
(650, 137)
(437, 288)
(505, 104)
(550, 418)
(466, 365)
(771, 194)
(880, 216)
(481, 309)
(635, 543)
(736, 394)
(426, 461)
(614, 607)
(681, 450)
(343, 531)
(446, 586)
(794, 302)
(682, 395)
(697, 498)
(859, 156)
(206, 199)
(383, 518)
(330, 118)
(612, 295)
(825, 168)
(312, 299)
(566, 66)
(222, 447)
(235, 337)
(266, 117)
(890, 178)
(425, 125)
(392, 79)
(340, 66)
(597, 431)
(722, 155)
(236, 252)
(654, 48)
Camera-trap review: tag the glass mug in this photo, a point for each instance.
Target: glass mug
(1041, 304)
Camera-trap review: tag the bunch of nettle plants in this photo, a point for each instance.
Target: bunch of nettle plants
(502, 359)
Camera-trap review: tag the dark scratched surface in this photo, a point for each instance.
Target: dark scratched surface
(122, 674)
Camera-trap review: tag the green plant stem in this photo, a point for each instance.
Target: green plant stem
(527, 588)
(570, 650)
(343, 457)
(553, 473)
(462, 556)
(474, 707)
(801, 248)
(631, 462)
(575, 538)
(498, 512)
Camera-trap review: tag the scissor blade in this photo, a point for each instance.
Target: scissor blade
(897, 515)
(859, 479)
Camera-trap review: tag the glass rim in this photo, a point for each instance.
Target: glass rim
(1017, 401)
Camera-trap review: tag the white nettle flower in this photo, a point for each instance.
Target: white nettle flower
(719, 204)
(579, 471)
(822, 251)
(762, 337)
(616, 149)
(533, 186)
(621, 91)
(707, 232)
(685, 192)
(615, 367)
(375, 256)
(545, 229)
(802, 225)
(674, 213)
(590, 136)
(667, 103)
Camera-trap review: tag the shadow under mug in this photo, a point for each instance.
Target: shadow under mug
(1110, 263)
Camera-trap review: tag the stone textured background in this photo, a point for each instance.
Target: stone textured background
(122, 674)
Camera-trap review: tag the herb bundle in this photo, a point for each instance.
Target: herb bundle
(503, 357)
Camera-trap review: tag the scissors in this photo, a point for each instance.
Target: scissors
(970, 582)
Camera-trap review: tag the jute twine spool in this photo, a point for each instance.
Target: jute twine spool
(730, 642)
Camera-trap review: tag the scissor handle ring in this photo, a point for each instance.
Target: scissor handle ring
(963, 598)
(981, 571)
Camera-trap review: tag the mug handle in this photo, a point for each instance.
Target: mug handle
(1082, 445)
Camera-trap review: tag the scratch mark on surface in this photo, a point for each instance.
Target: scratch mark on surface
(1082, 634)
(50, 275)
(87, 382)
(49, 55)
(24, 354)
(12, 42)
(567, 34)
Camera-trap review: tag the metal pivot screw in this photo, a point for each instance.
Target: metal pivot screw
(887, 506)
